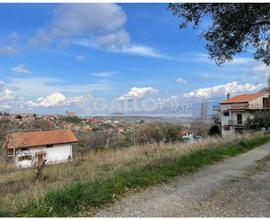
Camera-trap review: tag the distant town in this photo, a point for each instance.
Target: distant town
(235, 115)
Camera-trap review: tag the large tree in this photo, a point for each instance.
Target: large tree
(234, 27)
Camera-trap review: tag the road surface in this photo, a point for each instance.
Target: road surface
(239, 186)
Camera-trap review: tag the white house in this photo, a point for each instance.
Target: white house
(34, 147)
(236, 110)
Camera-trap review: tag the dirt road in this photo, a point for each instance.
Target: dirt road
(238, 186)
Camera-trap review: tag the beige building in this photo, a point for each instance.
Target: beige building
(71, 114)
(236, 110)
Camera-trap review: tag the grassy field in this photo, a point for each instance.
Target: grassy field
(80, 187)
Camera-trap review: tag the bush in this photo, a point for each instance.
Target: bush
(214, 130)
(39, 124)
(71, 119)
(158, 131)
(259, 120)
(18, 117)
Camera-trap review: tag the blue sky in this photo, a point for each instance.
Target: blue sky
(55, 57)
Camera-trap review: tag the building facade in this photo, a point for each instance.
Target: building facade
(31, 148)
(235, 111)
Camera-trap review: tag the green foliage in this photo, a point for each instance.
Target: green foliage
(81, 198)
(122, 140)
(158, 131)
(3, 213)
(260, 119)
(233, 28)
(214, 130)
(72, 119)
(38, 124)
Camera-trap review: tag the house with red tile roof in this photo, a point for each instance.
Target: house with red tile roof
(236, 110)
(31, 148)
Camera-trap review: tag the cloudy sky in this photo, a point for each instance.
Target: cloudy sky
(89, 57)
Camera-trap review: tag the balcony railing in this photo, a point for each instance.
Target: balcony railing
(258, 106)
(236, 122)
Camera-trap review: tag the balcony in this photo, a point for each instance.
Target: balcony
(238, 123)
(249, 107)
(258, 106)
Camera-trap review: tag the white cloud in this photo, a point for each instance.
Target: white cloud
(43, 36)
(221, 90)
(105, 74)
(54, 100)
(6, 97)
(103, 22)
(120, 47)
(80, 19)
(194, 57)
(261, 70)
(81, 58)
(21, 69)
(181, 81)
(42, 86)
(118, 39)
(9, 51)
(204, 58)
(204, 76)
(136, 93)
(99, 26)
(142, 51)
(242, 60)
(171, 99)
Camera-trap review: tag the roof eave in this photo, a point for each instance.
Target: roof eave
(225, 103)
(32, 146)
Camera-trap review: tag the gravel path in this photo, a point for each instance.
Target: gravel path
(237, 186)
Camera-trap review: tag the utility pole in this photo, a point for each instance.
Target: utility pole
(204, 110)
(14, 146)
(134, 126)
(203, 115)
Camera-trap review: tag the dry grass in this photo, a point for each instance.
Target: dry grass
(17, 188)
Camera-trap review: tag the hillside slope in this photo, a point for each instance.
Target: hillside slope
(234, 187)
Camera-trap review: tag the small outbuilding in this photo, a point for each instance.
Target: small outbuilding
(30, 148)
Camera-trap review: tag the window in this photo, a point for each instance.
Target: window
(239, 119)
(226, 127)
(25, 148)
(27, 157)
(226, 113)
(49, 146)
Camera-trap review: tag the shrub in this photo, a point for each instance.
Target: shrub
(214, 130)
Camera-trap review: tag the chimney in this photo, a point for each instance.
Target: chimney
(228, 96)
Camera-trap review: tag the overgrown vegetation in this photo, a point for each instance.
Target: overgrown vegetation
(4, 128)
(105, 136)
(71, 119)
(214, 130)
(259, 120)
(115, 172)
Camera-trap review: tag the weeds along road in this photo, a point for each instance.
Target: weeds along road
(237, 186)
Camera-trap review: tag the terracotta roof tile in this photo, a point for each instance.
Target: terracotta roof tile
(40, 138)
(244, 98)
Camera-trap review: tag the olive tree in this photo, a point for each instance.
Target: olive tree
(234, 27)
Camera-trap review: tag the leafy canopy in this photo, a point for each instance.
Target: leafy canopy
(234, 28)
